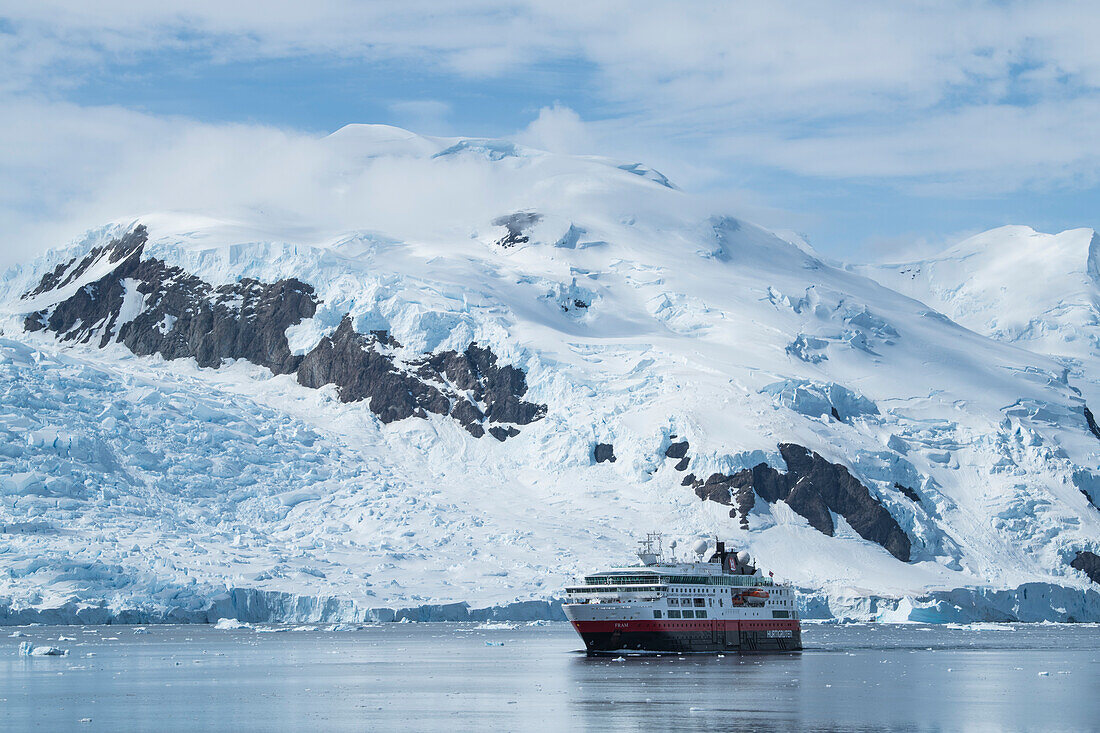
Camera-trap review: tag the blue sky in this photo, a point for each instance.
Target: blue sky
(878, 132)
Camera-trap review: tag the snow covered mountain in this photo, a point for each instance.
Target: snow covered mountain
(1038, 291)
(511, 365)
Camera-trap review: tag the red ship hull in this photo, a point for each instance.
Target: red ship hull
(607, 637)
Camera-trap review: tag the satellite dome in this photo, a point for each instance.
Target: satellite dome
(699, 547)
(743, 557)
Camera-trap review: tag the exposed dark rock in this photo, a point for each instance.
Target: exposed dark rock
(682, 465)
(356, 364)
(677, 450)
(1091, 422)
(114, 251)
(503, 433)
(912, 495)
(1088, 563)
(688, 480)
(729, 490)
(604, 452)
(814, 488)
(498, 388)
(835, 414)
(469, 387)
(182, 316)
(516, 224)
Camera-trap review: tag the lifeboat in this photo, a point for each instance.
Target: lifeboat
(755, 597)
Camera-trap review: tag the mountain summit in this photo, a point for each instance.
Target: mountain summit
(467, 370)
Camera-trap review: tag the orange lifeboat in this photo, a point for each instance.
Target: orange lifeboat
(756, 596)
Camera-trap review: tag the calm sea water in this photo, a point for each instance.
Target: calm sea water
(399, 677)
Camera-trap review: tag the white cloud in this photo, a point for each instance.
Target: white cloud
(831, 79)
(978, 97)
(560, 129)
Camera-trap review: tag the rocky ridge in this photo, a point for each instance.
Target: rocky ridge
(151, 307)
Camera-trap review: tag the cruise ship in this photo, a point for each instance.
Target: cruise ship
(725, 604)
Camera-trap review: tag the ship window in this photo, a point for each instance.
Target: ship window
(656, 614)
(674, 601)
(700, 602)
(700, 614)
(710, 601)
(720, 604)
(673, 613)
(689, 614)
(781, 614)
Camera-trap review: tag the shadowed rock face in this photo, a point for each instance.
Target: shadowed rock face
(363, 368)
(604, 452)
(114, 251)
(1090, 420)
(909, 492)
(813, 488)
(1088, 563)
(498, 388)
(677, 450)
(181, 315)
(516, 226)
(178, 315)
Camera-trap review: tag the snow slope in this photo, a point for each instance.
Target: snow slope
(1016, 285)
(164, 489)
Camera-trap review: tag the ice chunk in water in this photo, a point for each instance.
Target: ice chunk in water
(228, 624)
(27, 649)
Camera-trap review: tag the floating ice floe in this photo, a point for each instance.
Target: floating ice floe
(229, 624)
(27, 649)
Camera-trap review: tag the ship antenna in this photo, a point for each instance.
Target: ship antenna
(650, 551)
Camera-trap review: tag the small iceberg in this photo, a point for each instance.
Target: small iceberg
(229, 624)
(27, 649)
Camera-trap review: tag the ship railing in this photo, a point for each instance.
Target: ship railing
(719, 580)
(616, 600)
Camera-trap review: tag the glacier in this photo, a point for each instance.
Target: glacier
(415, 418)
